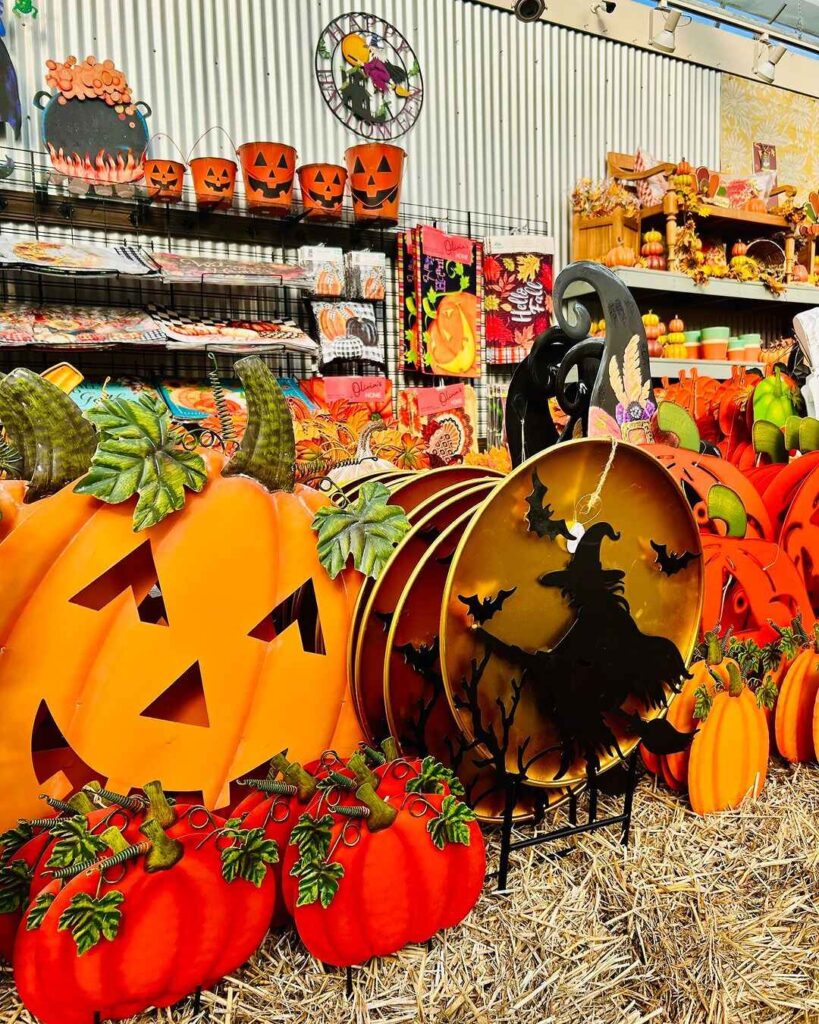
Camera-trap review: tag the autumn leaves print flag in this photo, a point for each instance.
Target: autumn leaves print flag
(517, 299)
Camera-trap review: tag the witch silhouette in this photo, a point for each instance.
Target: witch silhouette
(601, 662)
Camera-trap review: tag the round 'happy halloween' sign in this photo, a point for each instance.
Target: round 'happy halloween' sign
(369, 76)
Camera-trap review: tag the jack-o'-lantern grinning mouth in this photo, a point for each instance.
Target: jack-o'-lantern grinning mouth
(267, 190)
(326, 201)
(378, 199)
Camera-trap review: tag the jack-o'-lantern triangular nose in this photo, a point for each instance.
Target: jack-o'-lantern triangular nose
(183, 701)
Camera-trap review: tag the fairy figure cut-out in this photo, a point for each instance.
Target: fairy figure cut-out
(634, 406)
(601, 667)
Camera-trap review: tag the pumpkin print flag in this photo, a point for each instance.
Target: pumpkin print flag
(448, 283)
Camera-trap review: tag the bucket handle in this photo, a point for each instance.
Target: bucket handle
(38, 97)
(143, 108)
(164, 135)
(213, 128)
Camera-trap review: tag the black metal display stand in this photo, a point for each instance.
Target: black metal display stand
(575, 827)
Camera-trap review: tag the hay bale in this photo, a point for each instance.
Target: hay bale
(701, 921)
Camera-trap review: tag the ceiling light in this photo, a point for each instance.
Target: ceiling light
(529, 10)
(664, 39)
(766, 56)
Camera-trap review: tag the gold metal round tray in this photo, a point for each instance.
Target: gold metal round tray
(568, 609)
(418, 713)
(371, 635)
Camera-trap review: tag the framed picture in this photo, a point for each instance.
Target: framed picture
(764, 157)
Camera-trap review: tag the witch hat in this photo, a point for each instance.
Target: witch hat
(585, 571)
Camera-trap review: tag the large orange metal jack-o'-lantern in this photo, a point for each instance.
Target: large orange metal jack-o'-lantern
(164, 180)
(375, 170)
(322, 190)
(268, 169)
(192, 650)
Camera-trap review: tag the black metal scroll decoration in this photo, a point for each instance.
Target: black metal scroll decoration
(543, 375)
(622, 399)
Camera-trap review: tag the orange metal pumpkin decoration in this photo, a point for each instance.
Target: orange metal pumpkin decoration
(375, 170)
(800, 533)
(194, 649)
(268, 169)
(164, 180)
(322, 190)
(214, 180)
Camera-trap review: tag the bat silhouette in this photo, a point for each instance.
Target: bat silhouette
(483, 610)
(421, 659)
(672, 563)
(540, 516)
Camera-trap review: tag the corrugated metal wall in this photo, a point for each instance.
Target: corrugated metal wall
(513, 113)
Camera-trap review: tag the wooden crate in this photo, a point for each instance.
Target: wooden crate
(592, 237)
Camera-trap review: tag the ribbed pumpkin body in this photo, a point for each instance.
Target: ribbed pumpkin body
(15, 900)
(180, 928)
(681, 715)
(225, 564)
(795, 708)
(729, 754)
(398, 888)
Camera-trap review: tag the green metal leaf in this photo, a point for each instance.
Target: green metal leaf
(451, 825)
(432, 777)
(38, 910)
(139, 453)
(319, 881)
(766, 694)
(15, 882)
(367, 529)
(75, 844)
(702, 702)
(12, 839)
(249, 857)
(90, 919)
(312, 836)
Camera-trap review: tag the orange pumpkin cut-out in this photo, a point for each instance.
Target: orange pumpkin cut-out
(192, 650)
(268, 169)
(164, 180)
(214, 180)
(375, 171)
(322, 190)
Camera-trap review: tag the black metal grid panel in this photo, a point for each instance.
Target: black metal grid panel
(33, 207)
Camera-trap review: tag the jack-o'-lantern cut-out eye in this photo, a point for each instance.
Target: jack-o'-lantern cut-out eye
(164, 651)
(376, 170)
(268, 169)
(322, 190)
(164, 179)
(214, 179)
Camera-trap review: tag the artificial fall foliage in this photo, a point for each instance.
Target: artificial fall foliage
(365, 530)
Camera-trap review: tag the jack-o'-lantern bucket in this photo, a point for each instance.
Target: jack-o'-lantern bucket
(322, 190)
(375, 170)
(164, 180)
(214, 177)
(214, 180)
(268, 169)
